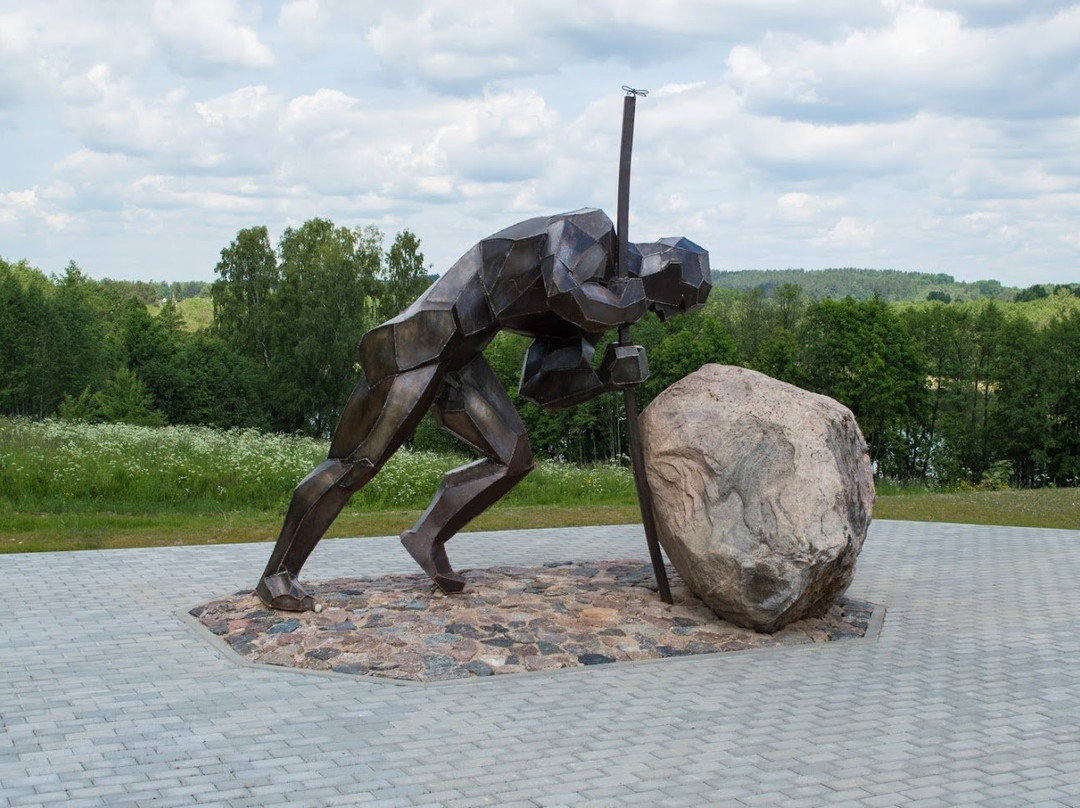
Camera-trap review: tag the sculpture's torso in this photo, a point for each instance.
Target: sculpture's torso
(504, 282)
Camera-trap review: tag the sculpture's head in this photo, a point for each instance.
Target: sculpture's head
(675, 273)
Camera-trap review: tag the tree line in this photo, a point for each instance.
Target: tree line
(279, 356)
(947, 394)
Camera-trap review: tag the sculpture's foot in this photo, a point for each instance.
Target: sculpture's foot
(433, 561)
(283, 591)
(450, 583)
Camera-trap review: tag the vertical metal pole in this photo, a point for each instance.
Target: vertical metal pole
(622, 220)
(637, 457)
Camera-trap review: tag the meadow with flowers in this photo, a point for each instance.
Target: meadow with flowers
(61, 474)
(68, 485)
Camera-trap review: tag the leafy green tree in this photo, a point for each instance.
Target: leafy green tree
(1035, 292)
(982, 349)
(940, 331)
(79, 408)
(324, 304)
(752, 324)
(217, 387)
(183, 290)
(243, 295)
(963, 349)
(149, 347)
(1059, 385)
(648, 332)
(684, 352)
(300, 313)
(778, 356)
(403, 277)
(790, 304)
(860, 353)
(82, 358)
(31, 336)
(123, 399)
(763, 322)
(148, 294)
(1018, 417)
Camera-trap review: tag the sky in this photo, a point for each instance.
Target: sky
(138, 137)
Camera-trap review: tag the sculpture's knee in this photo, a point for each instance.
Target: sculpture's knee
(357, 472)
(521, 459)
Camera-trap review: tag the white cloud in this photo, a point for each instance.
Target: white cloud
(299, 15)
(303, 22)
(342, 144)
(846, 233)
(925, 59)
(23, 209)
(801, 207)
(231, 132)
(936, 135)
(43, 44)
(205, 35)
(463, 44)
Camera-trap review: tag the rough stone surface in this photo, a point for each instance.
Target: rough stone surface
(511, 619)
(763, 493)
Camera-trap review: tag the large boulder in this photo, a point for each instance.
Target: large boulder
(762, 493)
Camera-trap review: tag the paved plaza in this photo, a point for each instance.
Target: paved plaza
(970, 695)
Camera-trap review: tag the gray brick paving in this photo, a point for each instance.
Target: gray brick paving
(970, 696)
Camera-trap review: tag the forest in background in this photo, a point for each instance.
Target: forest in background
(954, 384)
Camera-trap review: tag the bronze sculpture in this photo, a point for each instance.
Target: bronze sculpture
(550, 278)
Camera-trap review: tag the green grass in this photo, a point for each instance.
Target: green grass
(70, 486)
(22, 532)
(1046, 507)
(198, 312)
(61, 467)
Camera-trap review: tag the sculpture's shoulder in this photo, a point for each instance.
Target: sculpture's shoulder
(522, 231)
(510, 260)
(590, 222)
(583, 244)
(517, 253)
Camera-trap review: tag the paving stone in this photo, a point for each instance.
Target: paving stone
(968, 696)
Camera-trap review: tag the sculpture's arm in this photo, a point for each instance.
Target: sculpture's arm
(579, 282)
(559, 373)
(592, 306)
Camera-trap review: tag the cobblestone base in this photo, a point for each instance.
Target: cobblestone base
(510, 619)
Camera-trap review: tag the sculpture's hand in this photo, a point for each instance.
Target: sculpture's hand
(631, 296)
(624, 365)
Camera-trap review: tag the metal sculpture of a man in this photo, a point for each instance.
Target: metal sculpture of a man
(553, 279)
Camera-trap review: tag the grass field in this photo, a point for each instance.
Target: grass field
(36, 531)
(39, 532)
(76, 486)
(1045, 507)
(66, 467)
(71, 486)
(198, 312)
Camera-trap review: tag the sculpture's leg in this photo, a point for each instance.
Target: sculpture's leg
(473, 406)
(374, 423)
